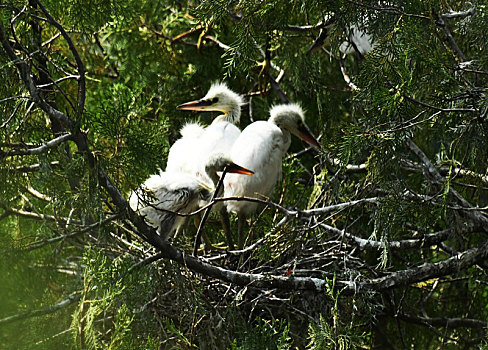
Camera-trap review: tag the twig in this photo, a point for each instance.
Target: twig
(31, 215)
(305, 28)
(146, 261)
(37, 150)
(389, 10)
(44, 311)
(42, 243)
(455, 322)
(76, 77)
(198, 236)
(79, 63)
(30, 168)
(426, 240)
(6, 122)
(474, 214)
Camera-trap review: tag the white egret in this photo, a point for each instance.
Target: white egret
(190, 152)
(163, 195)
(261, 147)
(357, 41)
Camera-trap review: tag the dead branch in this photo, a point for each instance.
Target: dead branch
(473, 213)
(459, 262)
(44, 311)
(425, 240)
(456, 322)
(36, 150)
(44, 242)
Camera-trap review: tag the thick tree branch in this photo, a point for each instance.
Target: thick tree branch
(459, 14)
(459, 262)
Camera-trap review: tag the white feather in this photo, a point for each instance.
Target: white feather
(162, 195)
(261, 147)
(190, 153)
(191, 130)
(361, 39)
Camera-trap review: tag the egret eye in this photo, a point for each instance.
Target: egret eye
(215, 100)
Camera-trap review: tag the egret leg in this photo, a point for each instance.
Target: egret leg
(241, 226)
(224, 218)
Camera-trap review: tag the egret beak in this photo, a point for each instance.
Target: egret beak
(198, 105)
(305, 134)
(237, 169)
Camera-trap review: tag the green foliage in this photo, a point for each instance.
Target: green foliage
(264, 335)
(105, 315)
(425, 80)
(324, 336)
(126, 132)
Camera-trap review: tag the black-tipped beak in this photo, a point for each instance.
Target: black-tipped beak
(195, 105)
(305, 134)
(237, 169)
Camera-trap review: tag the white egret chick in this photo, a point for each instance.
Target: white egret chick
(261, 147)
(167, 193)
(189, 153)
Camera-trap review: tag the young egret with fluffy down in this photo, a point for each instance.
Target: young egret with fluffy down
(163, 195)
(261, 147)
(189, 154)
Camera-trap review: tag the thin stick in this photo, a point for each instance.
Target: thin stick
(198, 237)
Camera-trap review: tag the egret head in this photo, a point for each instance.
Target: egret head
(219, 98)
(291, 117)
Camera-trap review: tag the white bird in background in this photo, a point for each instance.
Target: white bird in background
(356, 37)
(163, 195)
(357, 40)
(261, 147)
(189, 153)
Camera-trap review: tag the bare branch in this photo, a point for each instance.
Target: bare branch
(305, 28)
(79, 63)
(37, 150)
(76, 77)
(450, 38)
(459, 262)
(390, 10)
(425, 240)
(476, 215)
(45, 311)
(44, 242)
(30, 168)
(459, 14)
(32, 215)
(456, 322)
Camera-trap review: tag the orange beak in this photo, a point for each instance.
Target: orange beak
(237, 169)
(305, 134)
(195, 105)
